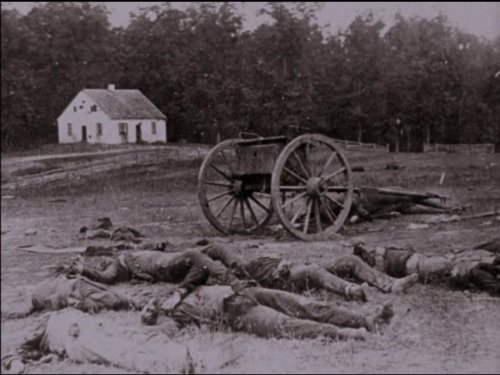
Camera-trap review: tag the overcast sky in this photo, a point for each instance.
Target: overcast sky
(479, 18)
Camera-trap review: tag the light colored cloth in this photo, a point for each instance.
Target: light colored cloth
(86, 338)
(80, 293)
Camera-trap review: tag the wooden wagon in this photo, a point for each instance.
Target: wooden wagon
(306, 182)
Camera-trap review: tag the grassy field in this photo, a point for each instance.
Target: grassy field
(436, 330)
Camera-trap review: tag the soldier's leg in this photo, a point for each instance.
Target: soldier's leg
(303, 277)
(199, 262)
(222, 254)
(246, 315)
(306, 308)
(114, 273)
(353, 266)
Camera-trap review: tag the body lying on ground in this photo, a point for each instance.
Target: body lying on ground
(477, 268)
(86, 338)
(331, 275)
(78, 292)
(224, 265)
(264, 312)
(371, 203)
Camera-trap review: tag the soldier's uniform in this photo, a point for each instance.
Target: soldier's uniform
(477, 267)
(293, 276)
(149, 265)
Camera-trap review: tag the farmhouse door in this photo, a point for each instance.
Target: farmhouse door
(84, 134)
(138, 133)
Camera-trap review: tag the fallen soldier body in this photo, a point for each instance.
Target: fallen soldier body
(372, 203)
(264, 312)
(476, 267)
(277, 273)
(86, 338)
(268, 272)
(78, 292)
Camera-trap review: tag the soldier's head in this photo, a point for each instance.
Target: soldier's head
(368, 255)
(282, 271)
(150, 312)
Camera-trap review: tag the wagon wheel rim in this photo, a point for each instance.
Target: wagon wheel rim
(224, 201)
(312, 187)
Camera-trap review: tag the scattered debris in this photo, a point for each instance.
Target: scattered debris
(417, 226)
(50, 250)
(30, 232)
(59, 200)
(441, 180)
(394, 167)
(358, 169)
(8, 197)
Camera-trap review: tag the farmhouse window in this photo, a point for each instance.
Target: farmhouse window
(70, 131)
(153, 127)
(99, 129)
(74, 108)
(93, 108)
(122, 127)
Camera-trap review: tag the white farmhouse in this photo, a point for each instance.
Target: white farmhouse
(111, 116)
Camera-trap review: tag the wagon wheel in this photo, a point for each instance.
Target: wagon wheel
(311, 187)
(227, 200)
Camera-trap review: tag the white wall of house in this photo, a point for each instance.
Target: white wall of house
(84, 112)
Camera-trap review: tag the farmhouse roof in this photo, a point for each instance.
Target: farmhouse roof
(124, 104)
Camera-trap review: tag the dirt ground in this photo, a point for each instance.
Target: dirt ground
(436, 329)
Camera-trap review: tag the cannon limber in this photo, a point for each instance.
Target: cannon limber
(306, 182)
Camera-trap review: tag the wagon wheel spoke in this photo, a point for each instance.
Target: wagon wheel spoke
(259, 204)
(317, 216)
(233, 212)
(308, 214)
(330, 176)
(327, 164)
(331, 215)
(218, 196)
(223, 208)
(296, 215)
(295, 175)
(334, 201)
(252, 213)
(242, 212)
(222, 173)
(297, 158)
(294, 199)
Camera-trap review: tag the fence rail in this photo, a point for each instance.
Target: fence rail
(480, 148)
(349, 145)
(89, 168)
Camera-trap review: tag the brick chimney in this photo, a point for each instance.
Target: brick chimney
(111, 87)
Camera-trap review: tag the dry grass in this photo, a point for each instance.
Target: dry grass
(436, 330)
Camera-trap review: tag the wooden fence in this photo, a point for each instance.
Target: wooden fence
(480, 148)
(90, 167)
(349, 145)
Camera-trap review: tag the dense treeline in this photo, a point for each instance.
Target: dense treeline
(418, 80)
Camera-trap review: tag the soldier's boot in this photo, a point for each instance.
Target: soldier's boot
(401, 285)
(378, 321)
